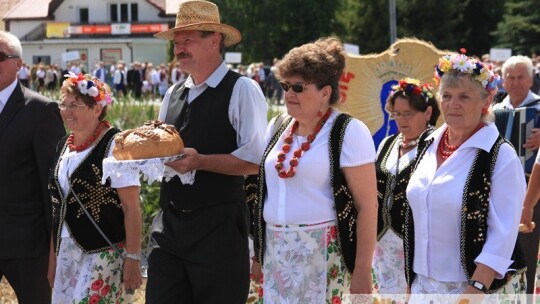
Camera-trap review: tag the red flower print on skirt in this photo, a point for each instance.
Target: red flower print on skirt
(97, 284)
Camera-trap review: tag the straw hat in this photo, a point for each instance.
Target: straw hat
(198, 15)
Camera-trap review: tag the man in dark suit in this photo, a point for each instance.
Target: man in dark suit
(30, 128)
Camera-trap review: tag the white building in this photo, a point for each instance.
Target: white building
(63, 32)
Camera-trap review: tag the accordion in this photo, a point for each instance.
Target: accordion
(516, 126)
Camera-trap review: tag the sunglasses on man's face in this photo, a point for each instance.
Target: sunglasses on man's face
(4, 56)
(297, 88)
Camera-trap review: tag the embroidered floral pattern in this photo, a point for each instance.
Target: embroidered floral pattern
(303, 266)
(88, 278)
(514, 290)
(389, 264)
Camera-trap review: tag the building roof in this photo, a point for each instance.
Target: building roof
(29, 9)
(159, 4)
(32, 9)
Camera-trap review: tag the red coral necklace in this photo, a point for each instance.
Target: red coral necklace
(445, 149)
(300, 151)
(102, 125)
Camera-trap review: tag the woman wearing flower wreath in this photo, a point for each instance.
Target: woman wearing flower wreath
(84, 266)
(315, 214)
(415, 110)
(465, 193)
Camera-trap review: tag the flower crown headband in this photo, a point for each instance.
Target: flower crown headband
(414, 87)
(88, 85)
(460, 62)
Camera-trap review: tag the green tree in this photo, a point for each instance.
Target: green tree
(477, 20)
(519, 28)
(270, 28)
(365, 23)
(430, 20)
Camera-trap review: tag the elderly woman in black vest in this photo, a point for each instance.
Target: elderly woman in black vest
(86, 266)
(414, 108)
(465, 194)
(315, 214)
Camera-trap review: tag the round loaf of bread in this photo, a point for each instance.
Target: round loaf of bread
(152, 140)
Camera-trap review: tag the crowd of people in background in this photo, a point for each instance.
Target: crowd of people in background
(145, 81)
(142, 80)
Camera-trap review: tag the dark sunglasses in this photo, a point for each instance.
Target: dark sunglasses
(297, 88)
(4, 56)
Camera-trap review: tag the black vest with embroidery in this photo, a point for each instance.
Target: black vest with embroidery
(346, 212)
(390, 216)
(101, 201)
(474, 227)
(204, 125)
(393, 216)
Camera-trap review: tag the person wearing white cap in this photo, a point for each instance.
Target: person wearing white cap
(203, 254)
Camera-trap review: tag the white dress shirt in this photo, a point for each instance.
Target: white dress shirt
(505, 103)
(307, 197)
(435, 197)
(6, 93)
(24, 73)
(247, 112)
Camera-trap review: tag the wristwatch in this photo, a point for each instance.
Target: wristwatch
(478, 285)
(133, 256)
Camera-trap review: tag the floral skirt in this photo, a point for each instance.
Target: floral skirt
(302, 265)
(88, 278)
(389, 264)
(426, 290)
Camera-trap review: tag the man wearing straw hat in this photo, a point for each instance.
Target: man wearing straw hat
(203, 254)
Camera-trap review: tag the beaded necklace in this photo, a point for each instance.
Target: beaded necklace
(445, 149)
(101, 126)
(286, 148)
(404, 144)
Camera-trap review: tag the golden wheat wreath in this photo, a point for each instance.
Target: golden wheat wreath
(367, 79)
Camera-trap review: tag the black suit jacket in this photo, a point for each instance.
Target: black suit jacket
(30, 128)
(130, 74)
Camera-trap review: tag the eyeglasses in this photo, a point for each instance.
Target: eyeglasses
(4, 56)
(71, 107)
(405, 115)
(297, 88)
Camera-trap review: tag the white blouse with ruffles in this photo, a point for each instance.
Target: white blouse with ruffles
(307, 197)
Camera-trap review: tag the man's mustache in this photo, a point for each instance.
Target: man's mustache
(183, 55)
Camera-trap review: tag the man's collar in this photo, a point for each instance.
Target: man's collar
(213, 80)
